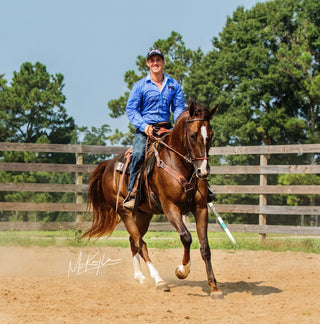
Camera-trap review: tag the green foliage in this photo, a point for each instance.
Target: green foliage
(263, 72)
(32, 112)
(5, 132)
(118, 106)
(32, 107)
(97, 136)
(300, 179)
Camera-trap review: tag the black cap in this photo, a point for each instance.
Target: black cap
(154, 52)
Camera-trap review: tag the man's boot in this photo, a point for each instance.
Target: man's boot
(129, 201)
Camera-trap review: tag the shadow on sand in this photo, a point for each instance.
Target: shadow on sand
(255, 288)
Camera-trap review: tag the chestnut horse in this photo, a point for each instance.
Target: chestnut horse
(179, 185)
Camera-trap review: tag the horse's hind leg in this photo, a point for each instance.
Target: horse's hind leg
(142, 222)
(137, 228)
(136, 266)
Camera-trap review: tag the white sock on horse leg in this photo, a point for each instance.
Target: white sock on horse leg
(154, 273)
(137, 269)
(185, 269)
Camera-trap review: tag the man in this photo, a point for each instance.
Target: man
(151, 101)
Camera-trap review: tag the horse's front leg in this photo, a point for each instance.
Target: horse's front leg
(183, 270)
(174, 216)
(202, 231)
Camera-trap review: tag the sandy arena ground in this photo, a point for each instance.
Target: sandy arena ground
(61, 285)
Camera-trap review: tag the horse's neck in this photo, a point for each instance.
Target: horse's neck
(177, 142)
(176, 139)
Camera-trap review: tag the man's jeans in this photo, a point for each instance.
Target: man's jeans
(139, 146)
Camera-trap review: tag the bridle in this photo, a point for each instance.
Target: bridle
(188, 145)
(188, 186)
(190, 158)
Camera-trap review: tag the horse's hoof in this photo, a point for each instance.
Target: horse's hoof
(180, 275)
(163, 286)
(182, 272)
(217, 294)
(140, 278)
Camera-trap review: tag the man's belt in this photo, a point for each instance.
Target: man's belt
(166, 125)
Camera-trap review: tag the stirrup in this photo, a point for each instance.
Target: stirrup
(129, 201)
(129, 204)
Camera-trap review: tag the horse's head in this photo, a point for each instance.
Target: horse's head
(198, 137)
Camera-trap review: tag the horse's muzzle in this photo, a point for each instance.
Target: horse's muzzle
(202, 174)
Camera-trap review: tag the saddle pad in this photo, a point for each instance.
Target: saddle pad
(120, 165)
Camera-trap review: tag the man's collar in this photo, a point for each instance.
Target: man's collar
(165, 77)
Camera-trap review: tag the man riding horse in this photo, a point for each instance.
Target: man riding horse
(149, 106)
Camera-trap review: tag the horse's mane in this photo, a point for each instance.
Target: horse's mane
(194, 109)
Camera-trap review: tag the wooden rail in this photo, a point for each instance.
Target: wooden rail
(79, 188)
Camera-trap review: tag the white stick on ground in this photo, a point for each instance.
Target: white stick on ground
(222, 224)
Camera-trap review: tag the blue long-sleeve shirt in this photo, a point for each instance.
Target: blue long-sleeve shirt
(148, 105)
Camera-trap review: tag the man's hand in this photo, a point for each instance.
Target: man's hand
(149, 130)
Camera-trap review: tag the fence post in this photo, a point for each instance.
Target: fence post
(79, 181)
(313, 198)
(263, 197)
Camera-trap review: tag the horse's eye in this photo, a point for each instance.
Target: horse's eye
(193, 136)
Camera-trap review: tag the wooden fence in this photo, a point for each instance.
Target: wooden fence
(263, 189)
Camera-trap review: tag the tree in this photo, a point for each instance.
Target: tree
(32, 107)
(4, 131)
(97, 136)
(299, 59)
(255, 74)
(178, 61)
(263, 72)
(32, 111)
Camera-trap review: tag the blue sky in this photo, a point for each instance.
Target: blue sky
(93, 43)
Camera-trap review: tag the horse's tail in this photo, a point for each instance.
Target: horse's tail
(104, 217)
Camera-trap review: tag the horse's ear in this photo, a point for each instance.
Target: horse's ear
(212, 111)
(192, 104)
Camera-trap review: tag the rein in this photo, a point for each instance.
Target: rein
(158, 141)
(188, 186)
